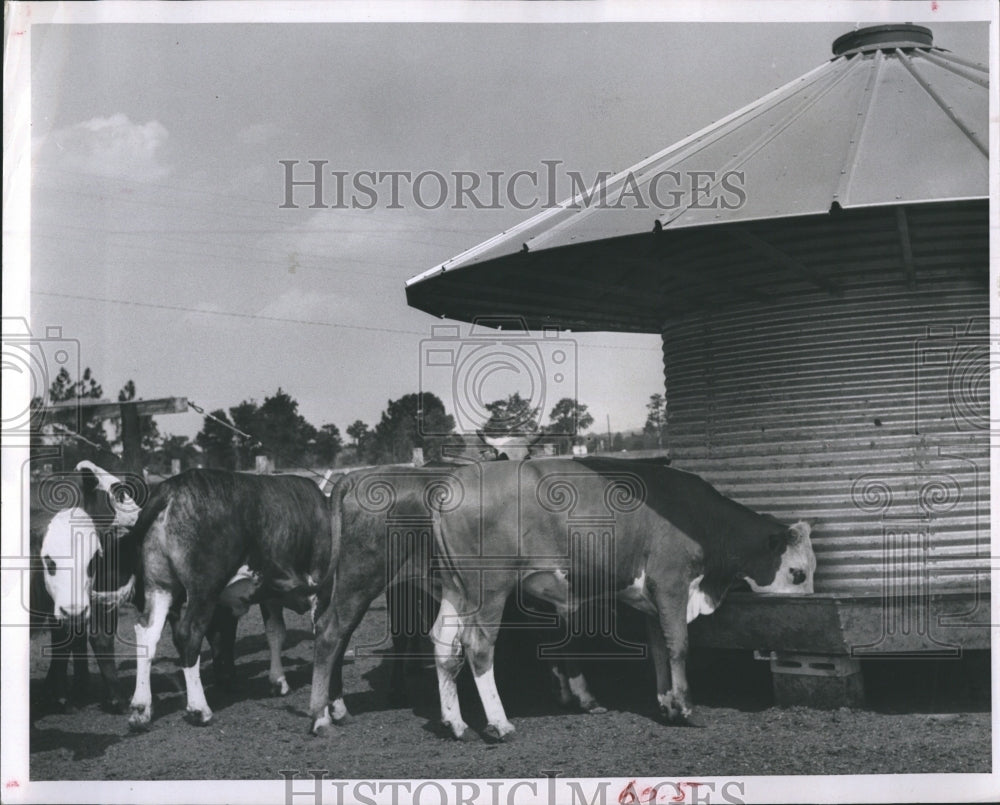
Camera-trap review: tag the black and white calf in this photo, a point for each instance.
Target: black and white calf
(82, 566)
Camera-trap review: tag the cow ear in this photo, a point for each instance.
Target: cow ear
(799, 531)
(90, 482)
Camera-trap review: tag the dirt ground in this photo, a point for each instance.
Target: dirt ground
(924, 720)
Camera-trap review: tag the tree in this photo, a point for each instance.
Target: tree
(175, 447)
(282, 431)
(64, 388)
(217, 441)
(94, 445)
(357, 430)
(513, 415)
(656, 419)
(414, 420)
(244, 419)
(568, 419)
(327, 446)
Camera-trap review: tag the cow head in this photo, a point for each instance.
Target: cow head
(796, 562)
(69, 551)
(514, 447)
(70, 555)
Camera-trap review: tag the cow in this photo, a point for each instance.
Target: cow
(662, 540)
(382, 520)
(81, 570)
(510, 447)
(198, 531)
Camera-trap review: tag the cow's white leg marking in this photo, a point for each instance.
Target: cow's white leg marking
(578, 685)
(448, 660)
(496, 717)
(338, 709)
(565, 694)
(274, 627)
(146, 639)
(197, 707)
(699, 602)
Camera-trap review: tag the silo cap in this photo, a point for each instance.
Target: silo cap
(883, 37)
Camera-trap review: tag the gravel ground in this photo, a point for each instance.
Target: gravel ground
(254, 736)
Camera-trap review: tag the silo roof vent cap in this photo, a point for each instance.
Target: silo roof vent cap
(883, 37)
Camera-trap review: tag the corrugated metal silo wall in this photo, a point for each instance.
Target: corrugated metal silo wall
(868, 414)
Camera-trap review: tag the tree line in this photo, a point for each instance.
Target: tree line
(231, 439)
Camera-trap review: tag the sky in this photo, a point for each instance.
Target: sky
(161, 247)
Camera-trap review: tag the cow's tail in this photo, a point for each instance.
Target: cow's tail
(323, 583)
(447, 566)
(340, 489)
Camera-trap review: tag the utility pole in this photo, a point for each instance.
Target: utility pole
(608, 416)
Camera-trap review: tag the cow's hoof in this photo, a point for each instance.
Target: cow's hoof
(458, 732)
(197, 718)
(339, 712)
(498, 733)
(595, 709)
(321, 726)
(279, 687)
(677, 717)
(673, 709)
(138, 720)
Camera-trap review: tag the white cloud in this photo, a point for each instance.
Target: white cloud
(108, 146)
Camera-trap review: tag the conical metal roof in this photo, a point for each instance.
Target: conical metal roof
(889, 122)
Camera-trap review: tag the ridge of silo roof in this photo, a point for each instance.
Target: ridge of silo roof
(890, 119)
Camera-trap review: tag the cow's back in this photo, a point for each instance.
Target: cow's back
(214, 521)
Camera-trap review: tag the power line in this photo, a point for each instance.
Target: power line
(224, 313)
(279, 319)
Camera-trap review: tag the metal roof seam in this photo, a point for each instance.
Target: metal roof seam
(508, 234)
(770, 135)
(946, 64)
(972, 65)
(946, 108)
(850, 161)
(697, 142)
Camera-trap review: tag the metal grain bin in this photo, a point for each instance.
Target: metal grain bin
(825, 341)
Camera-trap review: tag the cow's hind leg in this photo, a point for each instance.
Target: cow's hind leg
(221, 635)
(479, 638)
(189, 632)
(446, 634)
(274, 628)
(668, 640)
(334, 624)
(576, 682)
(147, 635)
